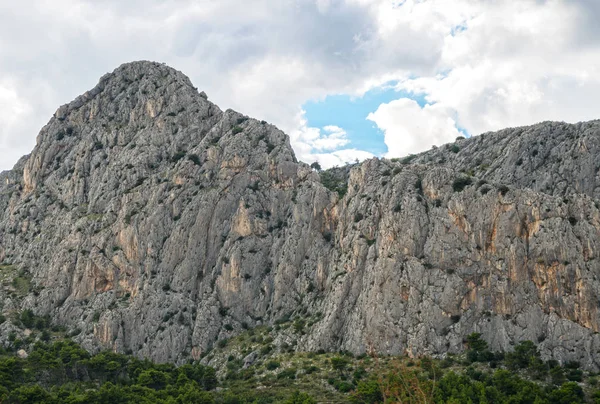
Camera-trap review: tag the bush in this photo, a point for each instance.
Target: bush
(153, 379)
(503, 189)
(367, 392)
(177, 156)
(569, 393)
(419, 186)
(476, 343)
(339, 363)
(266, 349)
(524, 355)
(272, 365)
(27, 318)
(289, 373)
(300, 398)
(334, 184)
(195, 159)
(299, 325)
(460, 183)
(408, 159)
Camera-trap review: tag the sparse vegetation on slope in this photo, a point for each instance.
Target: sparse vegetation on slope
(62, 372)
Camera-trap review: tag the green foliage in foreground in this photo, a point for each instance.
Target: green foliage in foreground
(62, 372)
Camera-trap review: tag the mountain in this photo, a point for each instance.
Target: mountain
(148, 221)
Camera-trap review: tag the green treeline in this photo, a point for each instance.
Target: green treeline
(63, 372)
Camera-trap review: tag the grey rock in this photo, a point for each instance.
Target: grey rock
(250, 359)
(158, 224)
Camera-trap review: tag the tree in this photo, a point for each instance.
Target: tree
(476, 343)
(339, 363)
(154, 379)
(478, 349)
(569, 393)
(316, 166)
(28, 394)
(367, 392)
(191, 394)
(525, 355)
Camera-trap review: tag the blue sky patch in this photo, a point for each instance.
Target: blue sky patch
(350, 114)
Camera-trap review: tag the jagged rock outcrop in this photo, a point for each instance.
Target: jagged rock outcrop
(155, 223)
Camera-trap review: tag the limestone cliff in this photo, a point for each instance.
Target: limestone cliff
(153, 222)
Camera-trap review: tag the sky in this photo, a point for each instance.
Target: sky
(346, 79)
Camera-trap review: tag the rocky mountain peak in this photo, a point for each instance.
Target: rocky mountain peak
(142, 110)
(152, 222)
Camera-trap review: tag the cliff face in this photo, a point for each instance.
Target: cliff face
(153, 222)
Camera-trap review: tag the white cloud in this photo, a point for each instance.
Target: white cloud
(408, 128)
(323, 145)
(341, 157)
(14, 111)
(485, 64)
(516, 63)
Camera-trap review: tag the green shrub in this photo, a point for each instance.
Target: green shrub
(299, 325)
(177, 156)
(460, 183)
(503, 189)
(289, 373)
(408, 159)
(333, 183)
(339, 363)
(299, 398)
(195, 159)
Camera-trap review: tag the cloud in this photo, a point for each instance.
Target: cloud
(265, 59)
(341, 157)
(408, 128)
(324, 145)
(516, 63)
(14, 111)
(484, 64)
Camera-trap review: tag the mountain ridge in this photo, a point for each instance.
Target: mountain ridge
(155, 223)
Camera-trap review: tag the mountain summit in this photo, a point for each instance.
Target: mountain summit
(147, 220)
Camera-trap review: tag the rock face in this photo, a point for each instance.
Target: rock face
(155, 223)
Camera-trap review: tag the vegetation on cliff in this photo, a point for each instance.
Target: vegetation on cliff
(62, 372)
